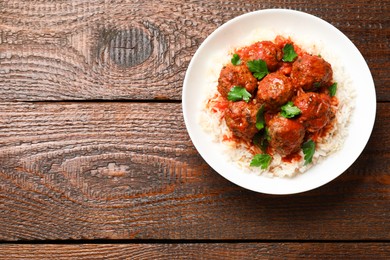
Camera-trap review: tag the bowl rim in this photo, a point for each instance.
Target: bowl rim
(328, 26)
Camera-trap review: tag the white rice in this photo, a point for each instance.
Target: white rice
(213, 123)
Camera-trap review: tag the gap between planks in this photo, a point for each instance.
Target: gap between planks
(103, 101)
(190, 241)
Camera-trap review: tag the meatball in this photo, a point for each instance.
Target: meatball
(274, 90)
(232, 75)
(286, 135)
(240, 117)
(265, 50)
(316, 111)
(310, 72)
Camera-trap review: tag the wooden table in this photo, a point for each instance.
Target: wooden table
(96, 162)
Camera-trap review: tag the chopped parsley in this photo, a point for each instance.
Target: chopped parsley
(238, 93)
(333, 89)
(289, 110)
(289, 53)
(236, 59)
(308, 148)
(260, 123)
(258, 68)
(317, 84)
(261, 160)
(261, 139)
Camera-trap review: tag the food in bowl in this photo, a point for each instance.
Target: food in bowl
(279, 105)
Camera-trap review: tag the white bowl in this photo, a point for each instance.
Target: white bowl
(304, 26)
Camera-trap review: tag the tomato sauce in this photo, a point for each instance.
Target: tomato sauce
(292, 157)
(310, 75)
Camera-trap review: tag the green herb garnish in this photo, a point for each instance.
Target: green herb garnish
(258, 68)
(308, 148)
(317, 84)
(289, 110)
(260, 122)
(289, 53)
(236, 59)
(267, 136)
(237, 93)
(333, 89)
(261, 139)
(261, 160)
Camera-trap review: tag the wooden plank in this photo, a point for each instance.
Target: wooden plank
(129, 170)
(128, 50)
(199, 251)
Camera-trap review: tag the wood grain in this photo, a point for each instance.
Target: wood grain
(140, 50)
(87, 173)
(114, 170)
(199, 251)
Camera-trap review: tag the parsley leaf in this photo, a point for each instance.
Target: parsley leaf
(317, 85)
(289, 110)
(237, 93)
(261, 140)
(308, 148)
(267, 136)
(260, 123)
(236, 59)
(258, 68)
(333, 89)
(261, 160)
(289, 53)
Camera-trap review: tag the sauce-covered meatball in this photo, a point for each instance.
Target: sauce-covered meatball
(274, 90)
(310, 72)
(316, 111)
(265, 50)
(286, 135)
(232, 75)
(240, 117)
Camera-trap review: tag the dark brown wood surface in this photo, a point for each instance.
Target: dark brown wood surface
(128, 170)
(239, 251)
(94, 150)
(77, 50)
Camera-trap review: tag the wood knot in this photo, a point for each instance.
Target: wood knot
(112, 170)
(130, 47)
